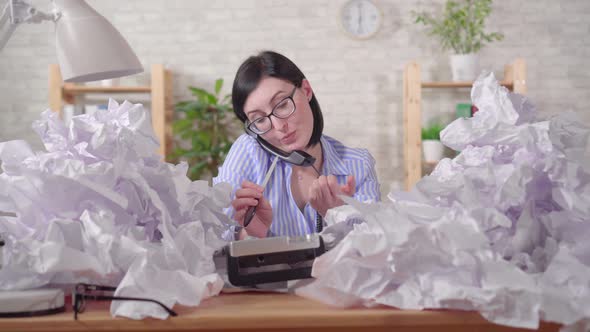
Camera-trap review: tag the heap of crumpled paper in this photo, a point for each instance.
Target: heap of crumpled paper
(101, 206)
(503, 228)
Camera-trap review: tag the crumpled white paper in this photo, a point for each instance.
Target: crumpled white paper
(502, 228)
(101, 206)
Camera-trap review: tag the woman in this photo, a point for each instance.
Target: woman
(272, 97)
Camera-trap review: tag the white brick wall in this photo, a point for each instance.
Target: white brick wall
(358, 83)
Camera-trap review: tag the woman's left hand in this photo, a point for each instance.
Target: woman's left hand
(324, 191)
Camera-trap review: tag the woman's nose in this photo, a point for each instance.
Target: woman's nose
(279, 124)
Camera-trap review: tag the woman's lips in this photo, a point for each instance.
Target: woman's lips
(290, 138)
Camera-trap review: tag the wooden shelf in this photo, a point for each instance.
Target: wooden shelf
(74, 89)
(508, 85)
(514, 80)
(159, 90)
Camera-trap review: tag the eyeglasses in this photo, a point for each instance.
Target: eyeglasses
(82, 293)
(282, 110)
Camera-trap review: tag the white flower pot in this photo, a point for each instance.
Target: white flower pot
(464, 67)
(433, 150)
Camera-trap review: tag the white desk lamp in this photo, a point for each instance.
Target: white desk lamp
(89, 48)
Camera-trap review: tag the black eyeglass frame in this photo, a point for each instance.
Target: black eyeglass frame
(80, 297)
(251, 124)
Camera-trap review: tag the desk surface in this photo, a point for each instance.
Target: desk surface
(258, 311)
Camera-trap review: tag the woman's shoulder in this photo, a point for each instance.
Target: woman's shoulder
(243, 158)
(347, 153)
(246, 143)
(245, 140)
(245, 149)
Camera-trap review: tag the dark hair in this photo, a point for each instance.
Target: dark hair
(272, 64)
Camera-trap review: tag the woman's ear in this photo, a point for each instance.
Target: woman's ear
(306, 87)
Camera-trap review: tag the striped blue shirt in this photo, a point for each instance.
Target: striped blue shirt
(246, 160)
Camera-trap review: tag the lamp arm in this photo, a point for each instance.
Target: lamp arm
(6, 25)
(18, 11)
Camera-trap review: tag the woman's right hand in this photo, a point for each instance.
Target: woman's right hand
(251, 194)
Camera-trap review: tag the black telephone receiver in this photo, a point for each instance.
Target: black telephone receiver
(297, 157)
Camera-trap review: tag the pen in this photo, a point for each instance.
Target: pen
(2, 243)
(252, 210)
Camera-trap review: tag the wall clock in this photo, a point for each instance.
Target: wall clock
(360, 19)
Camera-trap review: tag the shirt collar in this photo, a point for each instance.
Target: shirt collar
(333, 164)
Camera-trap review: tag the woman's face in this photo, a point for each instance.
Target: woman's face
(292, 133)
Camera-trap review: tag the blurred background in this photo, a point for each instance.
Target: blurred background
(358, 81)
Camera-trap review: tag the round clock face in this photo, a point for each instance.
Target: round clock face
(360, 18)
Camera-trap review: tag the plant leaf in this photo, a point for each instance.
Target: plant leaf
(461, 26)
(218, 85)
(181, 125)
(204, 129)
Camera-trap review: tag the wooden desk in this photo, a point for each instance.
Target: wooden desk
(264, 311)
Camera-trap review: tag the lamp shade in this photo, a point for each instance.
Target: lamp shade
(89, 48)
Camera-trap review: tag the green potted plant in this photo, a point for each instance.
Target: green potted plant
(461, 28)
(204, 131)
(432, 148)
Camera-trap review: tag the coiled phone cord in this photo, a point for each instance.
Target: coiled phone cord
(319, 221)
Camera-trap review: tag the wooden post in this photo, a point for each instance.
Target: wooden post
(55, 89)
(169, 114)
(412, 124)
(508, 76)
(161, 89)
(519, 74)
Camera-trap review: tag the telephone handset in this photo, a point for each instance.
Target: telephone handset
(297, 157)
